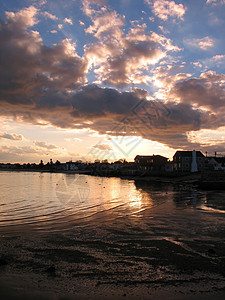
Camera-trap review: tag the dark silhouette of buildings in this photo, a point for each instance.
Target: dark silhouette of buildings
(151, 163)
(182, 161)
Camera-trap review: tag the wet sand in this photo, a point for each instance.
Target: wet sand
(55, 266)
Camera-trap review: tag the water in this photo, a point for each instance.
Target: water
(90, 236)
(109, 207)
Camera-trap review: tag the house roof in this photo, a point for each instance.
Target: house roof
(189, 153)
(219, 160)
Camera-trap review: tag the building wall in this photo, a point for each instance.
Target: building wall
(183, 163)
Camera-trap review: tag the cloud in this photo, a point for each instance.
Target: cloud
(81, 23)
(33, 154)
(209, 140)
(163, 29)
(197, 64)
(100, 2)
(114, 113)
(88, 6)
(217, 61)
(21, 154)
(47, 85)
(203, 43)
(103, 147)
(45, 145)
(19, 150)
(218, 58)
(120, 59)
(207, 91)
(68, 20)
(164, 9)
(42, 2)
(28, 67)
(164, 78)
(11, 136)
(73, 140)
(49, 15)
(216, 2)
(24, 18)
(106, 23)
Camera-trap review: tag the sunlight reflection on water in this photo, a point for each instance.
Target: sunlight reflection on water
(51, 202)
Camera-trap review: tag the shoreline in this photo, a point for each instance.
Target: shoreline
(196, 180)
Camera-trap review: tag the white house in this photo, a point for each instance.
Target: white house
(71, 166)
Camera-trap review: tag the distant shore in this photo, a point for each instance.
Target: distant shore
(184, 179)
(201, 180)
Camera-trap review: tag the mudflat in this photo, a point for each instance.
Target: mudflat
(59, 267)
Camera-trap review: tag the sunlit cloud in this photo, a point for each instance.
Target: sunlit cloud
(164, 9)
(216, 2)
(202, 43)
(102, 147)
(19, 150)
(68, 20)
(49, 15)
(215, 61)
(120, 59)
(81, 23)
(209, 140)
(24, 18)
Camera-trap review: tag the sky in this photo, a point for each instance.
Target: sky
(98, 79)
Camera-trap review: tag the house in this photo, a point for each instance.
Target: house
(71, 166)
(188, 161)
(128, 168)
(151, 162)
(215, 163)
(60, 166)
(169, 166)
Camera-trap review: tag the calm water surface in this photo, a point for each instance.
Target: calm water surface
(107, 207)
